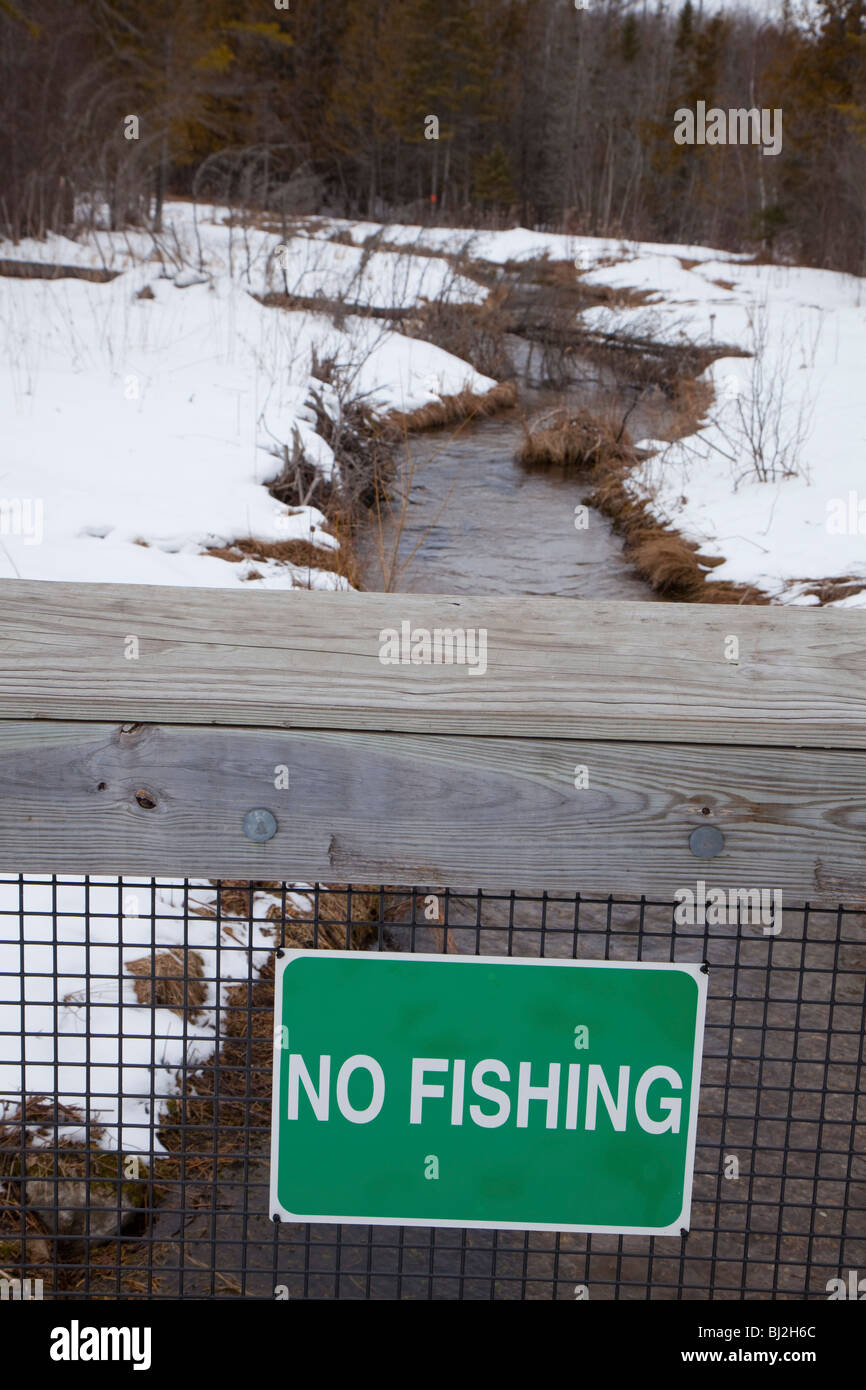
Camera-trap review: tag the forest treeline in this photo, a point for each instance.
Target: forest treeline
(548, 115)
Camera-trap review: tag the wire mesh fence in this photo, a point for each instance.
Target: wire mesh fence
(136, 1053)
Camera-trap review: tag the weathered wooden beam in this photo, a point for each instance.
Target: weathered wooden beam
(554, 668)
(407, 809)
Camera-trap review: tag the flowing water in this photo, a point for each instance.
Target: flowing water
(467, 518)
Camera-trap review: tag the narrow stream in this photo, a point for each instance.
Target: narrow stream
(467, 518)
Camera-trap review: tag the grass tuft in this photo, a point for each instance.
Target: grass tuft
(170, 979)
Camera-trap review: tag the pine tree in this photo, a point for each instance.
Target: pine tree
(171, 66)
(685, 28)
(493, 179)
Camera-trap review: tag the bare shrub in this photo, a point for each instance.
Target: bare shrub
(759, 428)
(476, 333)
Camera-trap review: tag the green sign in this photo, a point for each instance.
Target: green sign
(485, 1091)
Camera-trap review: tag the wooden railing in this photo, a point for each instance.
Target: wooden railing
(140, 725)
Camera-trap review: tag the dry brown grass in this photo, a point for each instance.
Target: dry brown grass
(465, 405)
(347, 920)
(171, 979)
(23, 1244)
(573, 441)
(831, 590)
(618, 296)
(335, 309)
(673, 566)
(52, 1189)
(301, 554)
(690, 400)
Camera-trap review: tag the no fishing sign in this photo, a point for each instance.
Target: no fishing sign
(422, 1090)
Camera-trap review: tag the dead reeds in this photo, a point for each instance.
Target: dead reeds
(303, 555)
(572, 441)
(449, 410)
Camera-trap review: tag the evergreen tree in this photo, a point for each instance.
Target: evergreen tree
(493, 180)
(685, 28)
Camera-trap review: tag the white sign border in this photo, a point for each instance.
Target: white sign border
(677, 1228)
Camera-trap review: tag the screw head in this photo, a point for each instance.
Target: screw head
(260, 825)
(706, 841)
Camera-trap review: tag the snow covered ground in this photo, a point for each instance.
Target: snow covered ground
(139, 430)
(796, 402)
(798, 398)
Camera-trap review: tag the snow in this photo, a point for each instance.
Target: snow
(810, 325)
(806, 330)
(515, 244)
(145, 429)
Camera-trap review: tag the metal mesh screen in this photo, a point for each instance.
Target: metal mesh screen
(136, 1049)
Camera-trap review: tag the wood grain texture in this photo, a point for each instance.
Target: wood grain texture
(555, 668)
(406, 809)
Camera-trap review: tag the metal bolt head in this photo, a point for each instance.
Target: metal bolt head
(706, 842)
(260, 825)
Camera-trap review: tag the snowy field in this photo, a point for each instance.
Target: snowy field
(140, 420)
(139, 432)
(797, 402)
(798, 398)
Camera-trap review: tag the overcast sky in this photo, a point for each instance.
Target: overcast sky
(770, 8)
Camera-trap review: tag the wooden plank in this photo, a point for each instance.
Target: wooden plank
(406, 809)
(554, 668)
